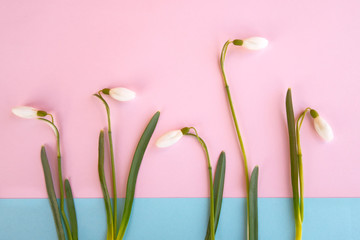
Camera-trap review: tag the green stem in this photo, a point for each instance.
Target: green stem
(222, 60)
(66, 222)
(111, 159)
(298, 229)
(299, 153)
(212, 217)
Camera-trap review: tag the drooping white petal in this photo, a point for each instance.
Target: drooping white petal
(122, 94)
(323, 129)
(169, 138)
(25, 112)
(255, 43)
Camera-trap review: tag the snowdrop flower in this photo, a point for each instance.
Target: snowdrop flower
(253, 43)
(322, 127)
(174, 136)
(170, 138)
(28, 112)
(120, 93)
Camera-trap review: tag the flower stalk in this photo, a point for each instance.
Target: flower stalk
(297, 178)
(174, 136)
(61, 181)
(29, 113)
(299, 123)
(227, 88)
(113, 232)
(111, 149)
(203, 145)
(254, 43)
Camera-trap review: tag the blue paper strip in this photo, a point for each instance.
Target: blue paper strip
(186, 218)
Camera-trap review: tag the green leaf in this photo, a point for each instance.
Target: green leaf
(71, 210)
(51, 194)
(218, 191)
(293, 152)
(134, 170)
(253, 204)
(110, 229)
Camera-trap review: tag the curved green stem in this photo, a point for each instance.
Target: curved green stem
(222, 60)
(61, 185)
(111, 159)
(212, 221)
(52, 117)
(299, 123)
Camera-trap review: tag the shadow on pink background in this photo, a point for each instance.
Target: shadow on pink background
(54, 56)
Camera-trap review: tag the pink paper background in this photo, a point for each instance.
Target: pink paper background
(54, 55)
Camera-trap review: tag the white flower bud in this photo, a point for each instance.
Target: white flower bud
(323, 129)
(169, 138)
(122, 94)
(255, 43)
(25, 112)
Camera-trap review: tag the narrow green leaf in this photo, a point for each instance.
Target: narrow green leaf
(253, 204)
(133, 173)
(109, 219)
(293, 152)
(51, 194)
(219, 186)
(71, 210)
(218, 191)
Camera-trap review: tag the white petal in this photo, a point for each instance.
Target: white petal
(25, 112)
(255, 43)
(323, 129)
(169, 138)
(122, 94)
